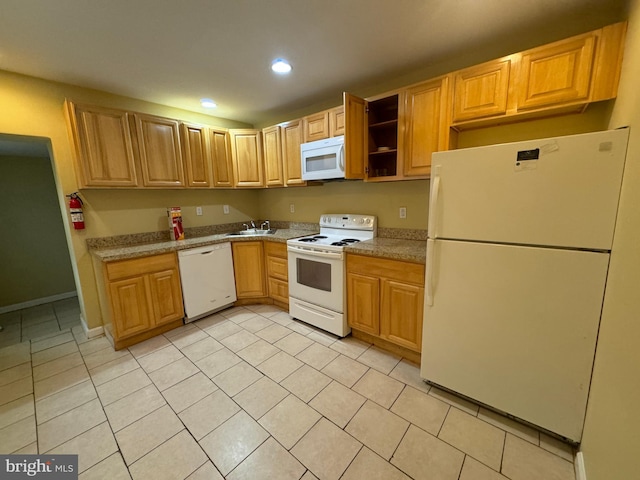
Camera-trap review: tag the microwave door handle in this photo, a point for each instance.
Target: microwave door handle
(341, 156)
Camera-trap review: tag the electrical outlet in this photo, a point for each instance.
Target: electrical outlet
(198, 211)
(403, 212)
(292, 208)
(225, 209)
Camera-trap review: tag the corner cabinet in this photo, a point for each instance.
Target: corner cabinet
(248, 268)
(246, 157)
(272, 143)
(385, 299)
(160, 151)
(103, 146)
(144, 298)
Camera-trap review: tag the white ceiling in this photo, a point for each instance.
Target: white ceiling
(176, 52)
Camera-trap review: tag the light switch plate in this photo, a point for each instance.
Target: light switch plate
(225, 209)
(198, 211)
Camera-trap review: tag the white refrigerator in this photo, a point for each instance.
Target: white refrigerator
(517, 258)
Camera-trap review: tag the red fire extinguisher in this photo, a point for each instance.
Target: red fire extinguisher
(75, 208)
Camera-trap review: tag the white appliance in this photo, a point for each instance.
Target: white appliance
(517, 259)
(208, 283)
(317, 280)
(323, 159)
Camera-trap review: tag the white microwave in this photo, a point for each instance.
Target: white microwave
(323, 159)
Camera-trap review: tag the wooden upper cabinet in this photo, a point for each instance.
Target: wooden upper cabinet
(426, 125)
(336, 121)
(557, 73)
(221, 164)
(246, 155)
(196, 155)
(103, 146)
(291, 136)
(316, 126)
(355, 142)
(481, 91)
(160, 152)
(272, 145)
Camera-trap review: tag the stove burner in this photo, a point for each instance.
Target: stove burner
(340, 244)
(350, 240)
(309, 239)
(320, 236)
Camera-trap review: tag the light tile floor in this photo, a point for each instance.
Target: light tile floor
(252, 394)
(29, 323)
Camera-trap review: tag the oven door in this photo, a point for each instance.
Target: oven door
(317, 277)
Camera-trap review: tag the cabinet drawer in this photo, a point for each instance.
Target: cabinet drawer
(279, 290)
(406, 272)
(277, 268)
(275, 249)
(140, 266)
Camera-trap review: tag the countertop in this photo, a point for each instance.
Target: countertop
(392, 248)
(133, 251)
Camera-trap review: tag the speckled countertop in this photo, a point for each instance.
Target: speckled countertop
(393, 248)
(132, 251)
(396, 244)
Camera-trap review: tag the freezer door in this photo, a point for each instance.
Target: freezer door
(558, 192)
(515, 328)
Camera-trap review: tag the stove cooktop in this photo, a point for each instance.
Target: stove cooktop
(338, 231)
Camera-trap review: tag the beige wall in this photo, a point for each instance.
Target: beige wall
(31, 269)
(611, 440)
(381, 199)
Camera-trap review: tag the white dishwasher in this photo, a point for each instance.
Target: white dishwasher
(208, 283)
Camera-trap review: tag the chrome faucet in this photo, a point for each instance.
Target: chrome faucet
(253, 225)
(266, 222)
(246, 227)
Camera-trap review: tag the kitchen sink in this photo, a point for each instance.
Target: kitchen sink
(252, 231)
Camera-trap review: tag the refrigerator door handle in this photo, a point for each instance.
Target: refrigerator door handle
(433, 202)
(428, 297)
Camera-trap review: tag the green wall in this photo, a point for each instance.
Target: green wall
(35, 256)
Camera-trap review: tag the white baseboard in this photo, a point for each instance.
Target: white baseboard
(578, 463)
(90, 332)
(37, 301)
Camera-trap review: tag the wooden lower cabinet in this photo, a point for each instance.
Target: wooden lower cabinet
(385, 299)
(248, 268)
(277, 272)
(144, 297)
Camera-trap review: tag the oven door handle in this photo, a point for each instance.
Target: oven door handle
(314, 253)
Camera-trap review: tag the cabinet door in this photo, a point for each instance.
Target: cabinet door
(354, 136)
(272, 156)
(196, 155)
(130, 306)
(336, 121)
(279, 290)
(246, 154)
(248, 267)
(481, 91)
(221, 158)
(363, 303)
(557, 73)
(291, 134)
(316, 126)
(426, 126)
(401, 310)
(165, 296)
(104, 148)
(160, 152)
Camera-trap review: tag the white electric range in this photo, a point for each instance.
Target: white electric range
(317, 279)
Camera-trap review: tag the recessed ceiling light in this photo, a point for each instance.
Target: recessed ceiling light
(280, 65)
(208, 103)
